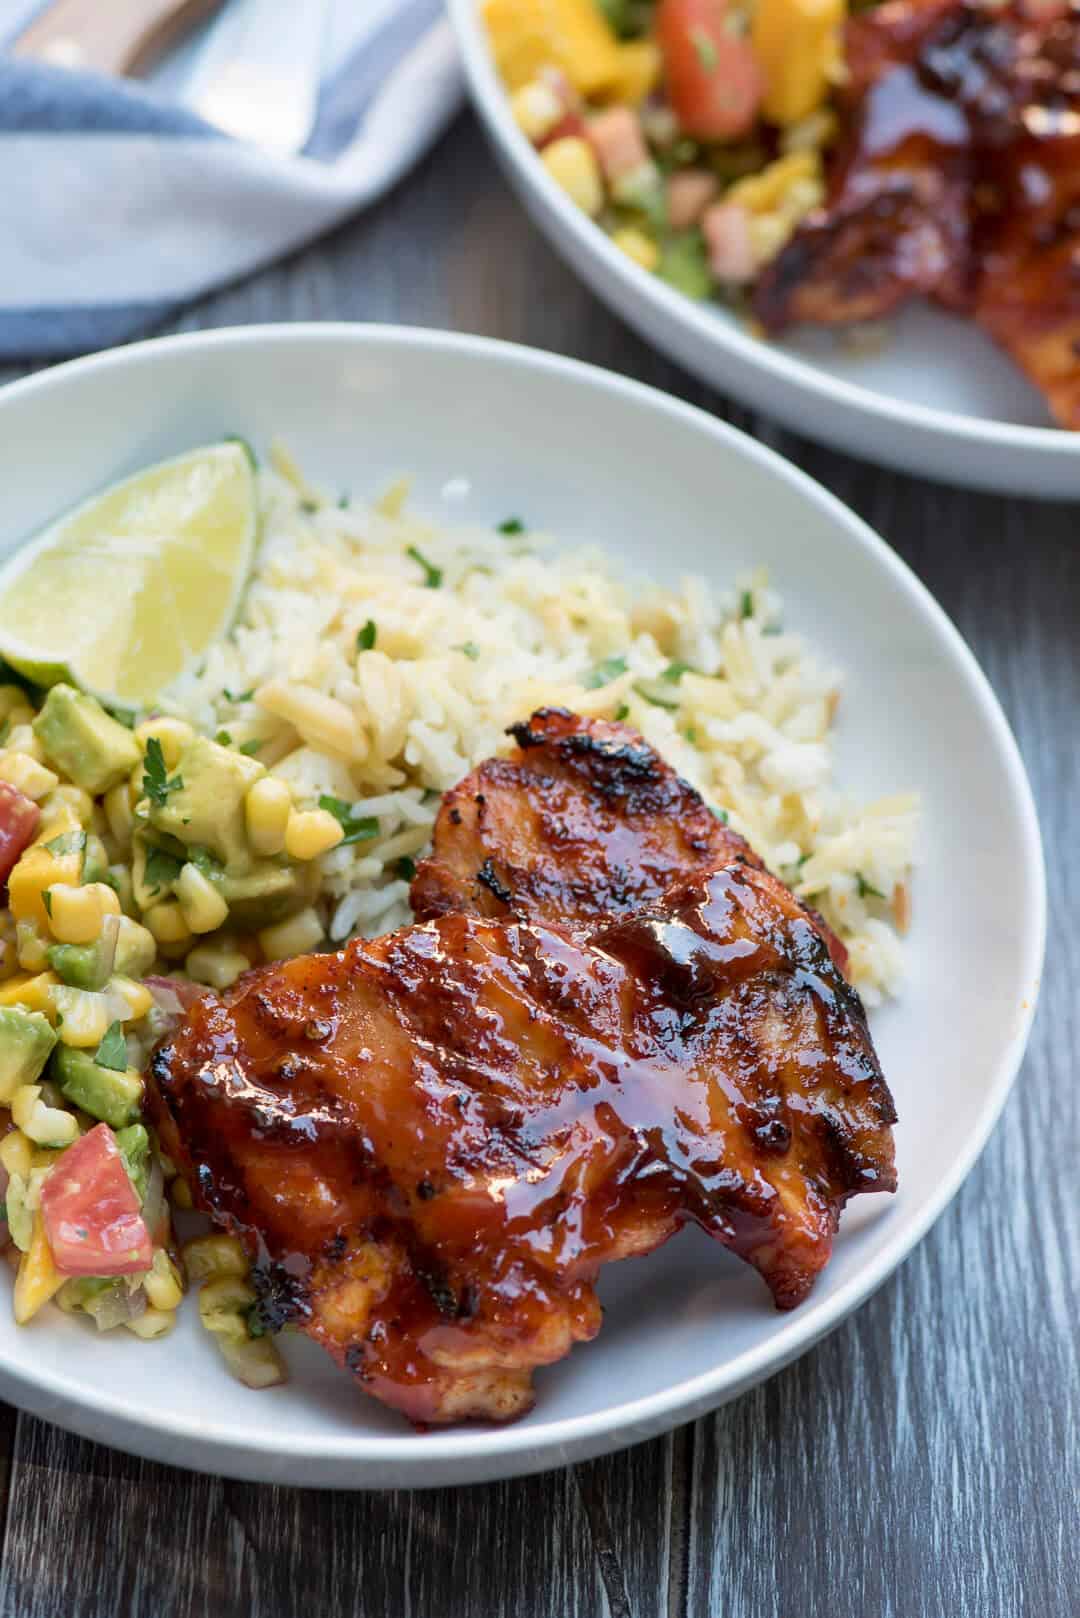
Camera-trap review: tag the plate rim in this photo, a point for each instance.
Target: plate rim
(698, 321)
(462, 1454)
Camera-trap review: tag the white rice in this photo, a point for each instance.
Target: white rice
(512, 625)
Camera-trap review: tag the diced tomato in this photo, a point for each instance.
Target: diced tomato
(713, 79)
(19, 817)
(91, 1211)
(726, 228)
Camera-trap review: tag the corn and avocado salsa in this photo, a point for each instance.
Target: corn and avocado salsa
(692, 131)
(142, 862)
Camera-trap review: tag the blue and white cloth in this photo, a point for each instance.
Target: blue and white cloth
(118, 204)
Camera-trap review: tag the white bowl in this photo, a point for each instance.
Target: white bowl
(591, 457)
(938, 399)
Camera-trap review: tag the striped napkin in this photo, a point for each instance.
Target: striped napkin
(118, 204)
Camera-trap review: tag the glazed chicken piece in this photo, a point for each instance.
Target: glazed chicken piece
(585, 820)
(432, 1141)
(956, 177)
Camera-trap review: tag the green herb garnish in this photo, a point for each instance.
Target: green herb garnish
(161, 869)
(621, 712)
(46, 899)
(721, 815)
(255, 1325)
(746, 604)
(309, 507)
(223, 738)
(865, 889)
(675, 671)
(238, 696)
(655, 697)
(112, 1052)
(406, 868)
(604, 673)
(344, 500)
(704, 49)
(234, 438)
(156, 784)
(357, 828)
(69, 842)
(253, 746)
(365, 638)
(510, 525)
(432, 575)
(470, 649)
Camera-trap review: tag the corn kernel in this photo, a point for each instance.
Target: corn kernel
(266, 812)
(163, 1285)
(293, 937)
(35, 993)
(173, 735)
(21, 739)
(129, 1000)
(16, 1153)
(638, 245)
(76, 915)
(572, 164)
(536, 109)
(73, 798)
(216, 965)
(118, 812)
(203, 906)
(640, 66)
(40, 868)
(38, 1278)
(152, 1323)
(767, 191)
(166, 922)
(30, 778)
(311, 832)
(31, 947)
(214, 1256)
(797, 43)
(82, 1016)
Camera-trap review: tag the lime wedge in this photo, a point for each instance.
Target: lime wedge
(131, 589)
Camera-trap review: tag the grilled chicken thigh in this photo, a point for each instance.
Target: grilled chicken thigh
(584, 820)
(430, 1142)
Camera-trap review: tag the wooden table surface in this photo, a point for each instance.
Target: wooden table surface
(922, 1462)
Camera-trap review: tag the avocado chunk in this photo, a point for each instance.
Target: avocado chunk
(26, 1042)
(83, 741)
(104, 1093)
(207, 806)
(81, 966)
(134, 1144)
(269, 892)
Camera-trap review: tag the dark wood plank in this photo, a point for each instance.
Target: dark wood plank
(923, 1460)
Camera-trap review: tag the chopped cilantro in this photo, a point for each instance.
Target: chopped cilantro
(253, 746)
(357, 828)
(406, 868)
(746, 604)
(309, 507)
(510, 525)
(470, 649)
(255, 1325)
(432, 575)
(46, 899)
(112, 1052)
(234, 438)
(675, 671)
(238, 696)
(204, 861)
(651, 694)
(69, 842)
(604, 673)
(365, 638)
(161, 869)
(865, 890)
(344, 500)
(721, 815)
(156, 784)
(621, 712)
(223, 738)
(704, 49)
(691, 736)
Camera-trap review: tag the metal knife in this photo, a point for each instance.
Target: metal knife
(259, 75)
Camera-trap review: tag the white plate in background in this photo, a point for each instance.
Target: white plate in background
(939, 399)
(592, 458)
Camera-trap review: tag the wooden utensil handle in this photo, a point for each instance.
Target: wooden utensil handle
(122, 36)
